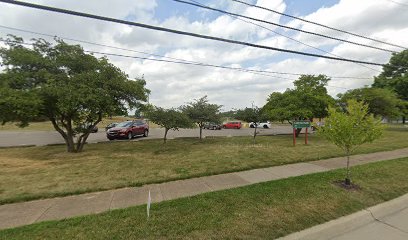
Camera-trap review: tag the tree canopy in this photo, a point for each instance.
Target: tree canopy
(62, 83)
(350, 129)
(169, 119)
(381, 102)
(201, 111)
(394, 76)
(309, 99)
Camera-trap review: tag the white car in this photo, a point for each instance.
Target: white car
(260, 125)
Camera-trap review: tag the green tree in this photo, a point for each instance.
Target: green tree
(200, 111)
(395, 77)
(169, 119)
(381, 102)
(62, 83)
(309, 99)
(350, 129)
(250, 115)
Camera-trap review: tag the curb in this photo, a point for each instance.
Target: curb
(350, 222)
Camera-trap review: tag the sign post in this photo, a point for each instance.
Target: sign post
(300, 124)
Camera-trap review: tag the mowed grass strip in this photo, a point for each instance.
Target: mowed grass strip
(261, 211)
(43, 172)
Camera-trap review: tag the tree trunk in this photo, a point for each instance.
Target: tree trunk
(298, 130)
(82, 139)
(165, 135)
(348, 180)
(255, 133)
(403, 119)
(69, 141)
(201, 131)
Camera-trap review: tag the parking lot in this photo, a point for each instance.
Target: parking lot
(40, 138)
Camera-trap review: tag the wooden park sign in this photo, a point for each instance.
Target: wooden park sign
(300, 124)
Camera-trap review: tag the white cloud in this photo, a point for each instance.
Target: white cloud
(173, 85)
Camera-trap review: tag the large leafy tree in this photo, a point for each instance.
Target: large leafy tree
(309, 99)
(169, 119)
(381, 102)
(394, 76)
(350, 129)
(201, 111)
(62, 83)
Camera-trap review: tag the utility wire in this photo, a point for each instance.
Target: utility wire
(108, 19)
(187, 63)
(293, 39)
(322, 25)
(284, 26)
(183, 62)
(158, 55)
(399, 3)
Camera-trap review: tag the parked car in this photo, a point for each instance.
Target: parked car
(260, 125)
(128, 129)
(111, 125)
(88, 126)
(213, 126)
(236, 125)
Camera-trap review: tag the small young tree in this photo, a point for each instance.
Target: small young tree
(348, 130)
(200, 111)
(169, 119)
(250, 115)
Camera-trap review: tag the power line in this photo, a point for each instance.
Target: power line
(293, 39)
(162, 29)
(158, 55)
(257, 72)
(184, 62)
(321, 25)
(399, 3)
(284, 26)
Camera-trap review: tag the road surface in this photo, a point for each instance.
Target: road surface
(40, 138)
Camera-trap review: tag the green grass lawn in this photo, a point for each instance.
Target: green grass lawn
(261, 211)
(41, 172)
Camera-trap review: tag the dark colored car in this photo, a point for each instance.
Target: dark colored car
(88, 126)
(236, 125)
(111, 125)
(128, 130)
(213, 126)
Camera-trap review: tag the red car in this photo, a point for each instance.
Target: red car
(236, 125)
(128, 129)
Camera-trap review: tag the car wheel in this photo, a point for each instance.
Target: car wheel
(146, 133)
(111, 139)
(130, 136)
(265, 126)
(251, 126)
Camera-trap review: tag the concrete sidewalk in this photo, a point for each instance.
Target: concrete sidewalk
(18, 214)
(387, 220)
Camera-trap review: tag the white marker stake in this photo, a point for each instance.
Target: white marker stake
(149, 199)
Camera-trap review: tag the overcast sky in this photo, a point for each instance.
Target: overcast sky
(172, 84)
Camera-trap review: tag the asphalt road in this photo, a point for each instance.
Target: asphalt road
(40, 138)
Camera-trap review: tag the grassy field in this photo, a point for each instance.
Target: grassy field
(41, 172)
(262, 211)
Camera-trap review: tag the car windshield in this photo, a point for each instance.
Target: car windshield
(124, 124)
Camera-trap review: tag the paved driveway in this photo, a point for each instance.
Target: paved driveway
(39, 138)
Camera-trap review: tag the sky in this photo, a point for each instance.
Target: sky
(173, 85)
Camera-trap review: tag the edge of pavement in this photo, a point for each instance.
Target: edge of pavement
(350, 222)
